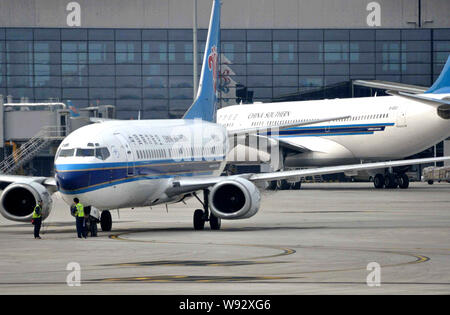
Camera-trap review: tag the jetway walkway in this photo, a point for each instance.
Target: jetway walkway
(31, 148)
(35, 130)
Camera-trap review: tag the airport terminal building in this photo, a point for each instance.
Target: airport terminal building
(137, 55)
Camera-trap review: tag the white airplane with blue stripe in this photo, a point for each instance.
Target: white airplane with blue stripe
(374, 129)
(124, 164)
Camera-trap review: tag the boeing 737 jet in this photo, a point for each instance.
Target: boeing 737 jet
(124, 164)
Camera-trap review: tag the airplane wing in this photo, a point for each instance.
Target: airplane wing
(269, 129)
(341, 169)
(48, 182)
(188, 185)
(393, 86)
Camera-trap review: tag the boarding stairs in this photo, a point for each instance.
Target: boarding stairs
(31, 148)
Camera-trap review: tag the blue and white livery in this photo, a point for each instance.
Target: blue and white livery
(374, 128)
(123, 164)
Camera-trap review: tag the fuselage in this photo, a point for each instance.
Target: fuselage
(378, 128)
(118, 164)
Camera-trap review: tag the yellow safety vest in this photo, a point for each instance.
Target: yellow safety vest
(35, 214)
(80, 210)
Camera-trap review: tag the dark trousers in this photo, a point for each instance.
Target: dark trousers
(81, 227)
(37, 226)
(93, 226)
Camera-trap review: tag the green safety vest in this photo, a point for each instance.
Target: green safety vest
(35, 214)
(80, 210)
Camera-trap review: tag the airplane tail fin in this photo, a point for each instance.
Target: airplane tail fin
(442, 83)
(205, 104)
(72, 109)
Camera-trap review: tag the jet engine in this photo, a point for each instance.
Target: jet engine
(235, 198)
(18, 200)
(444, 111)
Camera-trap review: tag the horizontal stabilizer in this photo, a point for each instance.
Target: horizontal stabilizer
(421, 98)
(393, 86)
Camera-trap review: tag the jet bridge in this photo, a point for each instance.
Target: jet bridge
(32, 132)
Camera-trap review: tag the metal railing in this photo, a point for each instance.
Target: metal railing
(30, 148)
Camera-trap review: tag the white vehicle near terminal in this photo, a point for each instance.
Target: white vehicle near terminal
(433, 174)
(125, 164)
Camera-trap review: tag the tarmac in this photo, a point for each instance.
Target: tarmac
(321, 239)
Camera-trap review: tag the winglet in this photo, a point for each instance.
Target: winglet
(442, 83)
(205, 104)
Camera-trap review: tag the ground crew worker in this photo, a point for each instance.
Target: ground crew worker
(37, 219)
(80, 220)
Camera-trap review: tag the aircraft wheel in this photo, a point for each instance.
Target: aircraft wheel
(199, 220)
(390, 181)
(283, 184)
(214, 222)
(106, 221)
(272, 185)
(403, 181)
(378, 181)
(297, 185)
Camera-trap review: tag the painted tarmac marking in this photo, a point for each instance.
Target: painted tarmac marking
(284, 252)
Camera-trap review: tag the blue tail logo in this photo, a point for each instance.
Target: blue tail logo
(73, 110)
(442, 83)
(212, 66)
(205, 104)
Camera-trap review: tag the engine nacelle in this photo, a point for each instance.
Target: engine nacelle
(18, 200)
(235, 198)
(444, 111)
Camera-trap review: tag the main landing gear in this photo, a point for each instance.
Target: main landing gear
(202, 216)
(283, 184)
(391, 181)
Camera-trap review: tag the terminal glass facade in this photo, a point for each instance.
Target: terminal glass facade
(150, 70)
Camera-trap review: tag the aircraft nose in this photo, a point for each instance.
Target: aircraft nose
(71, 180)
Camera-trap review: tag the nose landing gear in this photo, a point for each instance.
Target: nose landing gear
(106, 221)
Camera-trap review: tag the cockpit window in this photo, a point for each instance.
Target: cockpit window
(102, 153)
(99, 153)
(66, 152)
(85, 152)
